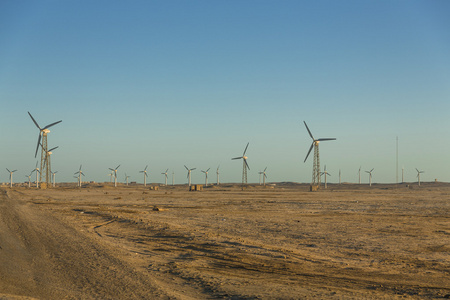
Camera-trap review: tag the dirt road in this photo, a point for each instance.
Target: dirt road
(100, 242)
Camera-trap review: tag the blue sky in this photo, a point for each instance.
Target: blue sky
(173, 83)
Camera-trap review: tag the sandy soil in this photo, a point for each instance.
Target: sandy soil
(282, 242)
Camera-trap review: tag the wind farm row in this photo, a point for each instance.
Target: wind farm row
(45, 177)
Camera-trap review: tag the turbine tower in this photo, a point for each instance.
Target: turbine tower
(165, 176)
(359, 173)
(29, 180)
(370, 177)
(145, 175)
(47, 162)
(403, 178)
(173, 177)
(115, 175)
(264, 176)
(326, 174)
(244, 165)
(189, 174)
(79, 172)
(418, 175)
(54, 175)
(316, 163)
(126, 178)
(10, 177)
(217, 172)
(206, 176)
(45, 171)
(339, 176)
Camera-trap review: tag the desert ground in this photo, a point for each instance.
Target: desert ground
(275, 242)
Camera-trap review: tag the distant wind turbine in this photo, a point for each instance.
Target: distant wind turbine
(11, 177)
(189, 174)
(217, 172)
(165, 176)
(36, 169)
(145, 175)
(29, 179)
(339, 176)
(173, 177)
(370, 177)
(418, 175)
(244, 165)
(54, 175)
(79, 172)
(206, 176)
(359, 173)
(115, 175)
(325, 173)
(126, 178)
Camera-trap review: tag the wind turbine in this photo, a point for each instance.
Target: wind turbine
(260, 174)
(206, 176)
(145, 175)
(359, 173)
(173, 177)
(115, 175)
(29, 179)
(326, 174)
(244, 165)
(316, 162)
(264, 176)
(36, 169)
(126, 178)
(10, 177)
(165, 176)
(189, 173)
(217, 172)
(339, 176)
(45, 165)
(79, 172)
(418, 175)
(370, 177)
(54, 175)
(47, 161)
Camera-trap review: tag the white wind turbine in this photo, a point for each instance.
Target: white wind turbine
(11, 177)
(145, 175)
(115, 174)
(36, 169)
(54, 175)
(264, 176)
(326, 174)
(359, 174)
(126, 178)
(418, 175)
(206, 176)
(165, 176)
(189, 174)
(370, 177)
(79, 172)
(29, 179)
(245, 165)
(217, 172)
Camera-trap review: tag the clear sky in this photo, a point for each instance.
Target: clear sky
(173, 83)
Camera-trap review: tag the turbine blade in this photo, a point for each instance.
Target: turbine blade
(246, 149)
(80, 167)
(245, 161)
(265, 169)
(50, 125)
(208, 169)
(35, 123)
(117, 167)
(53, 149)
(310, 148)
(237, 157)
(111, 169)
(8, 170)
(326, 139)
(193, 169)
(186, 167)
(417, 170)
(371, 170)
(146, 175)
(310, 134)
(38, 143)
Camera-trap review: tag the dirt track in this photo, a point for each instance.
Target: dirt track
(349, 241)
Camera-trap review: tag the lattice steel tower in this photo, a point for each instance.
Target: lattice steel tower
(315, 184)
